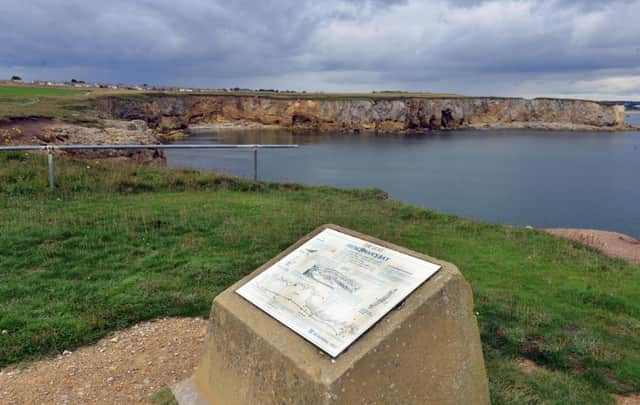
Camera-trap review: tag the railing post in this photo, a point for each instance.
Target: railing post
(52, 180)
(255, 164)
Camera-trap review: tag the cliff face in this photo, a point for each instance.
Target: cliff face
(168, 113)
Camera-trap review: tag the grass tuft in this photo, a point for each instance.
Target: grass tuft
(163, 397)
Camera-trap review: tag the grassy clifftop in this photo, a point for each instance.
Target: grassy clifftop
(68, 103)
(118, 244)
(25, 101)
(344, 112)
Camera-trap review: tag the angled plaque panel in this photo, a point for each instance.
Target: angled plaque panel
(334, 287)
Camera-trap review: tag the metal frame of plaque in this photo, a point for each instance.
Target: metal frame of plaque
(334, 287)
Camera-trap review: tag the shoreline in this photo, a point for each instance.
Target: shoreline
(140, 129)
(241, 125)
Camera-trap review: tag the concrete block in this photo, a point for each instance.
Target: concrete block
(426, 351)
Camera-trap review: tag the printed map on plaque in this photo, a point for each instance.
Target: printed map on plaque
(334, 287)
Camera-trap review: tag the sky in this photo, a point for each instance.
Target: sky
(528, 48)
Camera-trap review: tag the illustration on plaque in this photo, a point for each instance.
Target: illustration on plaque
(331, 278)
(335, 286)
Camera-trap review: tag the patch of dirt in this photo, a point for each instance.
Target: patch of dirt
(24, 131)
(612, 244)
(631, 399)
(123, 368)
(528, 366)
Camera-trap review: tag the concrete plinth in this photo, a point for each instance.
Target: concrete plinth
(426, 351)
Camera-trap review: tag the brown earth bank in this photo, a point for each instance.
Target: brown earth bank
(43, 131)
(169, 113)
(612, 244)
(124, 368)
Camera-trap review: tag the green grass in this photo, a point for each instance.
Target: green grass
(63, 103)
(117, 244)
(27, 91)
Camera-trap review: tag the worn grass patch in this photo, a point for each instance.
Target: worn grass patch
(117, 244)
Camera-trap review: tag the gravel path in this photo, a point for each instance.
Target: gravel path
(123, 368)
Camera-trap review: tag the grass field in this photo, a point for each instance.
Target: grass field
(117, 244)
(26, 91)
(63, 103)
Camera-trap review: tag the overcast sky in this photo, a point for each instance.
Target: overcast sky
(571, 48)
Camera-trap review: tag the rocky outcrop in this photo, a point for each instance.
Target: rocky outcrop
(167, 113)
(53, 132)
(113, 132)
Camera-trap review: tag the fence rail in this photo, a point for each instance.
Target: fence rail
(51, 148)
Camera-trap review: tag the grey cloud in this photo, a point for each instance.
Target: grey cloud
(580, 4)
(379, 3)
(454, 45)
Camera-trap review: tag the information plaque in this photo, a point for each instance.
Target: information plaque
(334, 287)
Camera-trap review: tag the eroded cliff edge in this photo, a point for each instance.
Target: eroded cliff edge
(174, 112)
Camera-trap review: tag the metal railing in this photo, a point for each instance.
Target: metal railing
(51, 148)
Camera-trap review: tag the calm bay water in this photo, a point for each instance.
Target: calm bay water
(544, 179)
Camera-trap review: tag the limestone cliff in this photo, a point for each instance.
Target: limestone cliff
(168, 112)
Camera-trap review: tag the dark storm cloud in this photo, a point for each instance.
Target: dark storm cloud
(468, 46)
